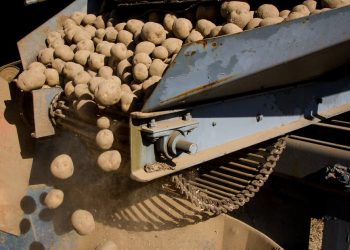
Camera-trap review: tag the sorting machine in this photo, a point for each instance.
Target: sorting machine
(220, 118)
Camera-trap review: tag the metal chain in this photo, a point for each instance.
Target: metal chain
(202, 200)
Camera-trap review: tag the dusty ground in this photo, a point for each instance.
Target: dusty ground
(316, 234)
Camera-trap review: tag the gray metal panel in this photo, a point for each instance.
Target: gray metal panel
(252, 60)
(230, 125)
(30, 45)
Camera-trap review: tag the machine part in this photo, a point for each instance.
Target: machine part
(30, 45)
(230, 125)
(226, 184)
(249, 61)
(339, 173)
(41, 101)
(10, 71)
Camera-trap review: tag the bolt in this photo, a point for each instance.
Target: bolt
(152, 123)
(187, 117)
(213, 124)
(259, 117)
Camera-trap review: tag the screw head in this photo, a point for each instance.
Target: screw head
(259, 117)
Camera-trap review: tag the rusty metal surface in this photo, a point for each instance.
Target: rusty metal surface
(30, 45)
(265, 57)
(15, 159)
(41, 101)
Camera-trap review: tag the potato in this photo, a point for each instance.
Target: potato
(119, 51)
(103, 122)
(144, 47)
(239, 17)
(52, 36)
(284, 13)
(82, 77)
(270, 21)
(194, 36)
(62, 167)
(37, 65)
(46, 56)
(82, 91)
(150, 82)
(109, 160)
(111, 34)
(230, 28)
(91, 29)
(206, 12)
(77, 17)
(94, 82)
(68, 23)
(157, 68)
(127, 102)
(123, 66)
(267, 10)
(86, 109)
(310, 4)
(56, 43)
(204, 27)
(294, 15)
(142, 58)
(99, 23)
(96, 61)
(52, 77)
(160, 52)
(153, 32)
(89, 19)
(83, 222)
(81, 35)
(108, 245)
(228, 7)
(127, 77)
(134, 25)
(253, 23)
(73, 47)
(100, 33)
(140, 72)
(31, 79)
(120, 26)
(69, 89)
(334, 3)
(64, 52)
(173, 45)
(54, 198)
(182, 28)
(215, 32)
(81, 57)
(70, 32)
(104, 139)
(71, 69)
(86, 45)
(58, 65)
(108, 92)
(125, 37)
(105, 72)
(104, 48)
(168, 21)
(315, 12)
(301, 9)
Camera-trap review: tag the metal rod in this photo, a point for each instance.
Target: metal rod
(237, 172)
(325, 143)
(230, 177)
(341, 122)
(217, 185)
(210, 188)
(331, 126)
(223, 181)
(242, 166)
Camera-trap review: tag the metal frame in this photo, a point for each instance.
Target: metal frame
(266, 57)
(233, 124)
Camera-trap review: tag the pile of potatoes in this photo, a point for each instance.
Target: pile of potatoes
(118, 64)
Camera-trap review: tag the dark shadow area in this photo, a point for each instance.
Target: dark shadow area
(24, 226)
(28, 204)
(19, 113)
(36, 245)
